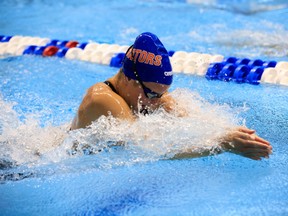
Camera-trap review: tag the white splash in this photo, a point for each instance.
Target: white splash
(151, 137)
(23, 142)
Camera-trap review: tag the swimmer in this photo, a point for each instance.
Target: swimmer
(141, 86)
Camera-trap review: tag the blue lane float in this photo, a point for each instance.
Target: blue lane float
(116, 60)
(5, 38)
(240, 70)
(213, 67)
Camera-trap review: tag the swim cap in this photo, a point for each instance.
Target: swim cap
(150, 59)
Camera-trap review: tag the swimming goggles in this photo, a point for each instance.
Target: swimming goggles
(148, 92)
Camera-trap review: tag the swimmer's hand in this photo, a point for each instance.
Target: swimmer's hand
(245, 142)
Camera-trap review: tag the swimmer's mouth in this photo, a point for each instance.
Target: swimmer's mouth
(145, 110)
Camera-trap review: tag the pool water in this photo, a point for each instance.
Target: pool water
(41, 174)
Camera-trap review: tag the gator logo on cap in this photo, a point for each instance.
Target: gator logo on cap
(143, 56)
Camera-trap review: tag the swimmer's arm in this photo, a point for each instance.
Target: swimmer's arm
(196, 153)
(97, 104)
(241, 141)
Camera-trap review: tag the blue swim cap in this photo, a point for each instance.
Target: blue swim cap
(150, 59)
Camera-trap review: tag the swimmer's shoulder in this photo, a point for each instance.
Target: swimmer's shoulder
(101, 92)
(101, 99)
(99, 87)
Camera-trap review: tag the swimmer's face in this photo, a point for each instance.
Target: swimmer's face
(148, 95)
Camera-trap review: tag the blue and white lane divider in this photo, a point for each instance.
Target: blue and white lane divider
(213, 67)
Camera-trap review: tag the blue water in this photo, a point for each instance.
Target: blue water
(39, 97)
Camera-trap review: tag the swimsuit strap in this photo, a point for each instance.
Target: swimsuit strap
(108, 83)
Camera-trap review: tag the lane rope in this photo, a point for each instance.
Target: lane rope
(213, 67)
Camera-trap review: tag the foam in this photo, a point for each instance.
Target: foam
(153, 137)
